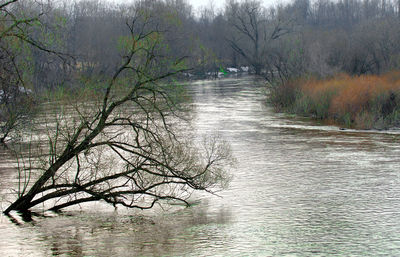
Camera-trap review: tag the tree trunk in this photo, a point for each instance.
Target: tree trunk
(22, 204)
(257, 68)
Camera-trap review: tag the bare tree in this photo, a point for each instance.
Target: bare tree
(254, 32)
(122, 147)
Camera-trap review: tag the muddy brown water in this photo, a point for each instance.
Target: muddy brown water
(299, 189)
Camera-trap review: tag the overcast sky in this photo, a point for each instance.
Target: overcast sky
(220, 3)
(217, 3)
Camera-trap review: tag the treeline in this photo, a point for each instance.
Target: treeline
(322, 38)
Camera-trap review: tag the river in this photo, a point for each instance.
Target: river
(299, 189)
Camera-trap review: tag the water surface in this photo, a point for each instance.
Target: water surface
(299, 189)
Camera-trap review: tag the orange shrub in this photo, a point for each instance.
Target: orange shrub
(355, 101)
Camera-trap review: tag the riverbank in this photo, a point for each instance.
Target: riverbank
(363, 102)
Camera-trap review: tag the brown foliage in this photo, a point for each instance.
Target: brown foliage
(367, 101)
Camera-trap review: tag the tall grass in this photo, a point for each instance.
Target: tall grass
(368, 101)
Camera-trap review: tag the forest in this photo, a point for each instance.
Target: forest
(320, 38)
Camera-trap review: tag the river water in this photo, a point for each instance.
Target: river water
(298, 189)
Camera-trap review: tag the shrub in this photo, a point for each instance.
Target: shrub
(368, 101)
(282, 96)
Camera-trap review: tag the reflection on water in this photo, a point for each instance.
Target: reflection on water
(299, 189)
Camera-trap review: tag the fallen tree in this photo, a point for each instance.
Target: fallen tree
(120, 145)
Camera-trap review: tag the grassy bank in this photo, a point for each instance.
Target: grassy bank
(364, 102)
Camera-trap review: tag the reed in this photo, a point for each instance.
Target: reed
(368, 101)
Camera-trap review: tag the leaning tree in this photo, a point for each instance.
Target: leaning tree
(117, 139)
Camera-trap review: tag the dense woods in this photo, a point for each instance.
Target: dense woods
(320, 38)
